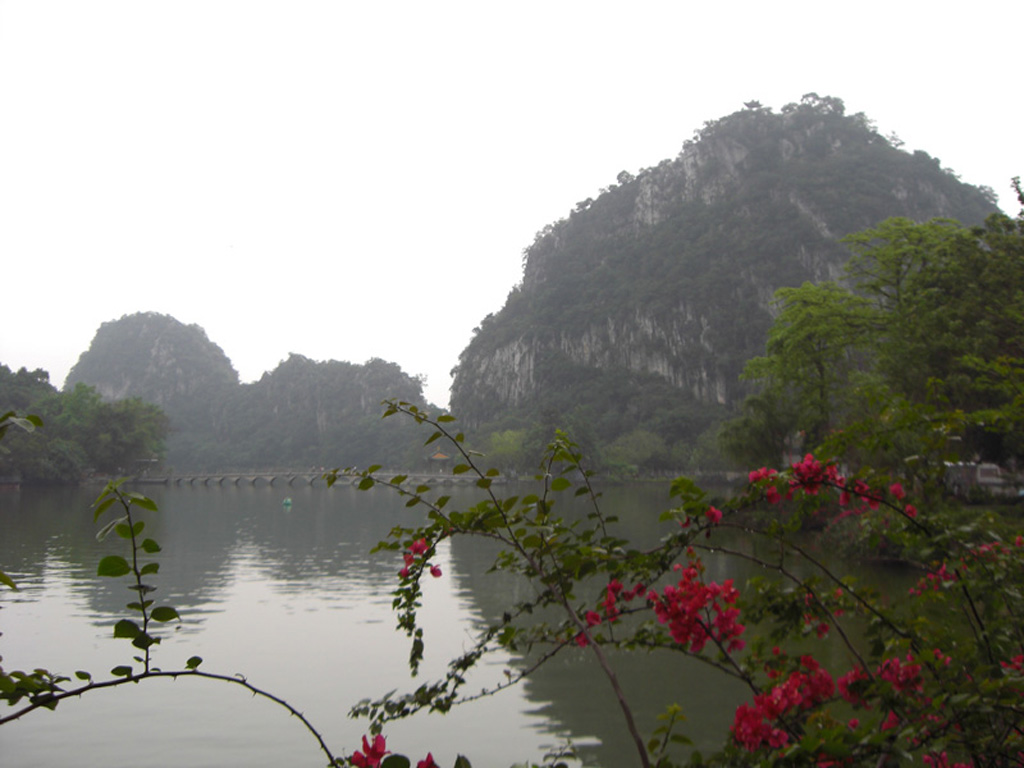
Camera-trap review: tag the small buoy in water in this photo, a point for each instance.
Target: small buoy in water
(287, 503)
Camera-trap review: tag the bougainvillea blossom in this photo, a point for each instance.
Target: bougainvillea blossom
(696, 612)
(371, 755)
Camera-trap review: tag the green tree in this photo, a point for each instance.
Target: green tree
(931, 307)
(814, 348)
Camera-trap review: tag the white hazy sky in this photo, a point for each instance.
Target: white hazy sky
(352, 180)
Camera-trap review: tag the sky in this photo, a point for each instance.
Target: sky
(348, 180)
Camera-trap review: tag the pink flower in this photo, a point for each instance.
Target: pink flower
(370, 757)
(435, 571)
(714, 515)
(911, 510)
(427, 762)
(419, 547)
(902, 677)
(593, 618)
(897, 490)
(849, 688)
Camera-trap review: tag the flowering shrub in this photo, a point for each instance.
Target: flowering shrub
(934, 675)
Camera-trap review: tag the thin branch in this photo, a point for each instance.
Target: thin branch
(49, 701)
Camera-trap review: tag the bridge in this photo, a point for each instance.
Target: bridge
(286, 477)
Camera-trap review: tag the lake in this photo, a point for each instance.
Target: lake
(292, 600)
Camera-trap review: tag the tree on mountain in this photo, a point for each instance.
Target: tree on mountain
(933, 318)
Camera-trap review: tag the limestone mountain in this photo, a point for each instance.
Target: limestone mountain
(637, 312)
(301, 414)
(155, 357)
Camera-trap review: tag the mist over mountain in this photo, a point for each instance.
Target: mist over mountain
(634, 318)
(303, 413)
(637, 312)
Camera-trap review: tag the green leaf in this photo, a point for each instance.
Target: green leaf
(395, 761)
(366, 483)
(142, 501)
(143, 641)
(560, 484)
(194, 662)
(459, 469)
(113, 565)
(103, 532)
(150, 546)
(102, 507)
(462, 762)
(484, 482)
(123, 530)
(126, 628)
(149, 568)
(83, 675)
(164, 613)
(121, 671)
(5, 579)
(445, 418)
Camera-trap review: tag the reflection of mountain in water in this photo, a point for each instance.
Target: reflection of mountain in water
(570, 691)
(210, 537)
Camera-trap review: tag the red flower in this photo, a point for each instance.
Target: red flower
(419, 547)
(370, 757)
(435, 571)
(714, 515)
(427, 762)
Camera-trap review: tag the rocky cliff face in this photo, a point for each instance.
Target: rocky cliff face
(155, 357)
(671, 274)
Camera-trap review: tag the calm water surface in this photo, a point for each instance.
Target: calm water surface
(294, 601)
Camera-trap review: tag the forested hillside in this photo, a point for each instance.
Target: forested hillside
(637, 312)
(304, 413)
(81, 434)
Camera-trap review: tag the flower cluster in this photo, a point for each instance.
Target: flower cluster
(806, 687)
(766, 477)
(932, 581)
(612, 594)
(851, 686)
(418, 549)
(902, 677)
(372, 755)
(941, 760)
(696, 612)
(810, 475)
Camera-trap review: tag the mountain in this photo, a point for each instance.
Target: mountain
(303, 413)
(637, 312)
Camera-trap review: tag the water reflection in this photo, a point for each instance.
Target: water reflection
(293, 599)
